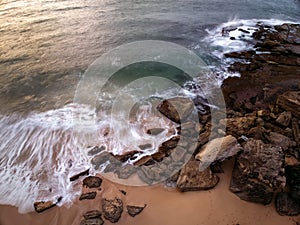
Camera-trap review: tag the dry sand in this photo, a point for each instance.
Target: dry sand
(165, 206)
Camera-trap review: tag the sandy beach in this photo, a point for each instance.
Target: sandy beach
(164, 206)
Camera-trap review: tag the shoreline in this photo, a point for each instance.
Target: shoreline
(164, 206)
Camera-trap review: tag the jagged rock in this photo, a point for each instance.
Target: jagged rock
(92, 182)
(96, 150)
(293, 179)
(169, 144)
(258, 172)
(192, 179)
(238, 126)
(83, 173)
(135, 210)
(42, 206)
(290, 101)
(88, 195)
(280, 140)
(284, 119)
(176, 109)
(219, 149)
(155, 131)
(112, 209)
(291, 161)
(286, 206)
(92, 214)
(93, 221)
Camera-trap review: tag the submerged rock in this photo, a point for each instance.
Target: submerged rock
(258, 172)
(112, 209)
(135, 210)
(286, 206)
(92, 182)
(192, 179)
(176, 109)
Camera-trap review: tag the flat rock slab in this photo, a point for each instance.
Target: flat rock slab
(42, 206)
(286, 206)
(134, 210)
(88, 195)
(92, 214)
(112, 209)
(290, 101)
(93, 221)
(176, 109)
(92, 182)
(219, 149)
(192, 179)
(258, 172)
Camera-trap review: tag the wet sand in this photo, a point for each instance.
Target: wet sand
(164, 206)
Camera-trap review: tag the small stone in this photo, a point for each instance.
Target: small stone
(92, 182)
(88, 195)
(284, 119)
(112, 209)
(42, 206)
(135, 210)
(92, 214)
(93, 221)
(286, 206)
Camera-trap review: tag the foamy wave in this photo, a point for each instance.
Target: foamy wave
(41, 152)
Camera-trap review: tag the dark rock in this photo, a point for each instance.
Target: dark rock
(96, 150)
(258, 172)
(123, 192)
(290, 101)
(176, 109)
(169, 144)
(192, 179)
(293, 179)
(296, 131)
(238, 126)
(145, 160)
(98, 160)
(88, 195)
(83, 173)
(135, 210)
(92, 214)
(284, 119)
(93, 221)
(216, 168)
(127, 155)
(155, 131)
(286, 206)
(112, 209)
(92, 182)
(42, 206)
(280, 140)
(218, 149)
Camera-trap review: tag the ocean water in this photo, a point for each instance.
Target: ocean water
(47, 45)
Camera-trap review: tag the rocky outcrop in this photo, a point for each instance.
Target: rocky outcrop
(258, 172)
(134, 210)
(42, 206)
(290, 101)
(88, 195)
(238, 126)
(176, 109)
(112, 209)
(192, 179)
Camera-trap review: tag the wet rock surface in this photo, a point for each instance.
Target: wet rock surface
(112, 209)
(88, 195)
(42, 206)
(92, 182)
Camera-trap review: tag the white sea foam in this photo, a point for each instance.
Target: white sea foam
(41, 152)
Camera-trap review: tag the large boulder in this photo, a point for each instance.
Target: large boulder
(112, 209)
(219, 149)
(192, 179)
(258, 172)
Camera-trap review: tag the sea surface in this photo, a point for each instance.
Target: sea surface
(47, 45)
